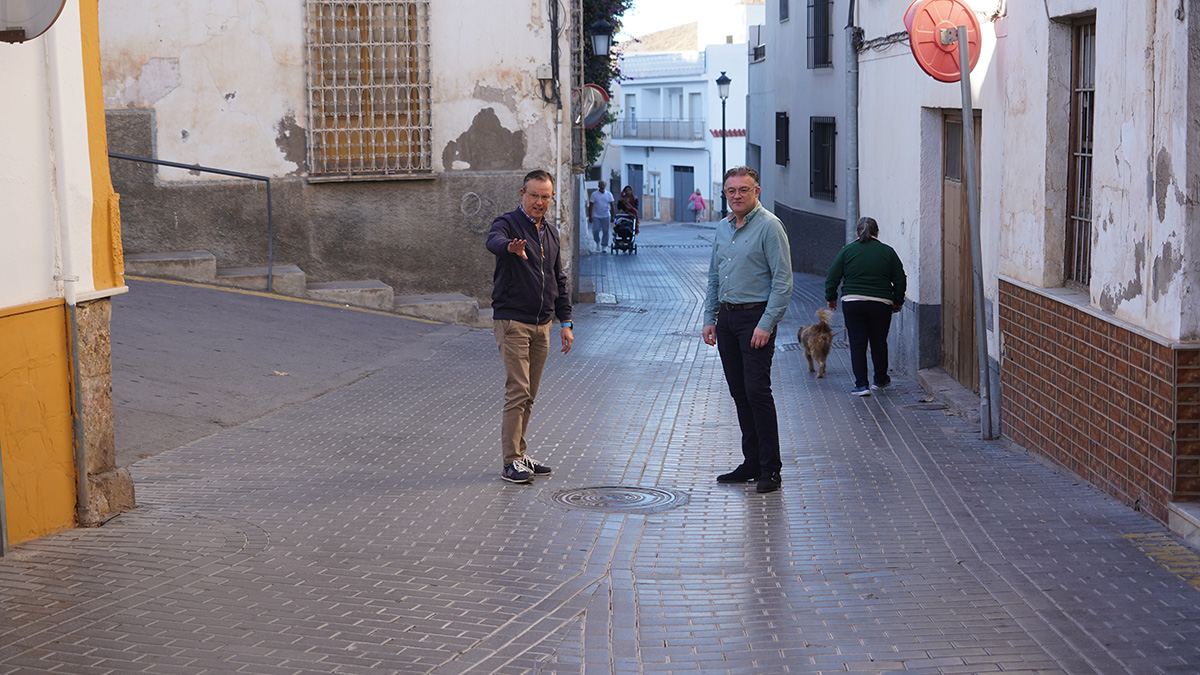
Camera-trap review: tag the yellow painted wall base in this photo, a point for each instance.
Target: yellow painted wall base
(35, 420)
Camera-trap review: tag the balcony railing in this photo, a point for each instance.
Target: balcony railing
(658, 130)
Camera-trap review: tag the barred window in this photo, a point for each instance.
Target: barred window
(1079, 172)
(368, 88)
(783, 143)
(822, 135)
(820, 33)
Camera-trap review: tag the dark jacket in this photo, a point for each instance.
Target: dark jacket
(870, 269)
(532, 290)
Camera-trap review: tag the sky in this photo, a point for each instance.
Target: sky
(647, 16)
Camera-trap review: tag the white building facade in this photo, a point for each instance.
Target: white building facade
(383, 126)
(60, 264)
(796, 128)
(1086, 146)
(667, 140)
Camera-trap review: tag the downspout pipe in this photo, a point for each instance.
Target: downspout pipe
(66, 275)
(852, 33)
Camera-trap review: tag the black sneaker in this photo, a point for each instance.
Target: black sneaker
(535, 466)
(742, 474)
(516, 473)
(881, 386)
(769, 483)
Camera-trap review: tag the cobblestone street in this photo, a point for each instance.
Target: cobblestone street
(366, 529)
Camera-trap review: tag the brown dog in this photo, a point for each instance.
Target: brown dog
(817, 340)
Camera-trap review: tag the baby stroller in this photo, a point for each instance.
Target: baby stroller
(624, 236)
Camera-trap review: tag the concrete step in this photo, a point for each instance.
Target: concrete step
(587, 290)
(285, 279)
(370, 293)
(1184, 520)
(200, 266)
(448, 307)
(484, 320)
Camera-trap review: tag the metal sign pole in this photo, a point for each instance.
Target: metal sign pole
(981, 344)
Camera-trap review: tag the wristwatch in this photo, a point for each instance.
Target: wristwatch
(568, 324)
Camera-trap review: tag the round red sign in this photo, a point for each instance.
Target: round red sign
(933, 36)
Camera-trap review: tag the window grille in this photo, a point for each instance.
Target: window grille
(822, 136)
(368, 88)
(1079, 179)
(782, 140)
(820, 33)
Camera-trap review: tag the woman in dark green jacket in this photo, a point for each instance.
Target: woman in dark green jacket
(873, 284)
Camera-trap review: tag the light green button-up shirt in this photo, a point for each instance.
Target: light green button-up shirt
(751, 263)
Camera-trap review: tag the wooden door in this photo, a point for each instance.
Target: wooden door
(958, 290)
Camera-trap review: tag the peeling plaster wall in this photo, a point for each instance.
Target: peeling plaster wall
(222, 77)
(900, 167)
(1141, 245)
(222, 84)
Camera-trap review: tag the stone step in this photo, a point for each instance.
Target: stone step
(448, 307)
(285, 279)
(200, 266)
(370, 293)
(484, 320)
(587, 290)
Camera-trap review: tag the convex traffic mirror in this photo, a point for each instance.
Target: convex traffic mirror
(22, 20)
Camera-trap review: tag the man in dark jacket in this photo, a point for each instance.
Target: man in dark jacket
(530, 290)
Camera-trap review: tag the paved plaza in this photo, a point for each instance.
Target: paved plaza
(331, 504)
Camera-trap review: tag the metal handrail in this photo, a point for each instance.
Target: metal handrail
(658, 129)
(223, 172)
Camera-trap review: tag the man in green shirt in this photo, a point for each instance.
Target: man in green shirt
(749, 287)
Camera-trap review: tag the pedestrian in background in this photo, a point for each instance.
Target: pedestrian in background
(530, 290)
(696, 205)
(600, 213)
(873, 284)
(628, 204)
(749, 287)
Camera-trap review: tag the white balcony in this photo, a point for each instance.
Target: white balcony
(657, 130)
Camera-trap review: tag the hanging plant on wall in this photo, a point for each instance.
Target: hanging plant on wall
(598, 71)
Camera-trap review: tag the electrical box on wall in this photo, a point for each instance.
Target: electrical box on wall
(545, 73)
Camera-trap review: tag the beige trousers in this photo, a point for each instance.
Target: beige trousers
(523, 348)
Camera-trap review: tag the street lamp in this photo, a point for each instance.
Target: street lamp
(723, 91)
(601, 34)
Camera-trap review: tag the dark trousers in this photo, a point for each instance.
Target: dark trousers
(748, 372)
(868, 323)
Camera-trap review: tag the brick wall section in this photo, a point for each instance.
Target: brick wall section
(1187, 445)
(1100, 398)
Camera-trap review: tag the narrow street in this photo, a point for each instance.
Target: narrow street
(318, 492)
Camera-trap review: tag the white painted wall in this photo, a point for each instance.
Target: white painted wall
(1142, 241)
(45, 171)
(226, 78)
(783, 82)
(1143, 265)
(900, 148)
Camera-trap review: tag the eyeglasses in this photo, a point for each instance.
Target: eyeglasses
(539, 198)
(743, 191)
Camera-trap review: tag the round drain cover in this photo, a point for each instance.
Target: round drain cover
(619, 498)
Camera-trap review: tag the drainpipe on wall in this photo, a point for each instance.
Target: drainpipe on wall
(63, 255)
(852, 37)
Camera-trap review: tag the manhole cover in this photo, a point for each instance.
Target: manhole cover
(619, 498)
